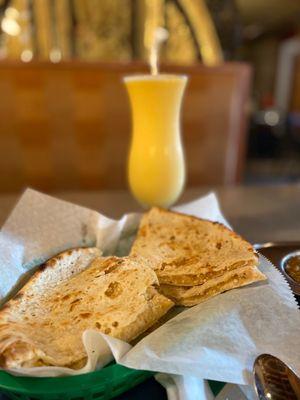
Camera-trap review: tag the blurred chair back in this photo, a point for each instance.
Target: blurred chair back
(67, 126)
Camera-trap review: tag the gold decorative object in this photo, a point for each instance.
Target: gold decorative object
(205, 33)
(43, 28)
(103, 31)
(181, 47)
(64, 28)
(110, 30)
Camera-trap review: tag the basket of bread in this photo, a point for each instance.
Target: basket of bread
(82, 297)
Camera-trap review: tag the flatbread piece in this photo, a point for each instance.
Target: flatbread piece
(72, 292)
(190, 296)
(188, 251)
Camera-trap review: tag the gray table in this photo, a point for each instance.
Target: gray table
(259, 213)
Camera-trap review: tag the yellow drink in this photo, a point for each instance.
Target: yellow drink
(156, 170)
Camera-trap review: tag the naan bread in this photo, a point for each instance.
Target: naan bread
(72, 292)
(190, 296)
(188, 251)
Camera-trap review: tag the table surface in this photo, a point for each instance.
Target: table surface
(259, 213)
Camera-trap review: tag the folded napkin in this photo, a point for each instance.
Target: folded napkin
(180, 387)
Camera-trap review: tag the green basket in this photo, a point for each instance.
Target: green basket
(104, 384)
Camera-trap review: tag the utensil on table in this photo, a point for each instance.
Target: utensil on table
(273, 379)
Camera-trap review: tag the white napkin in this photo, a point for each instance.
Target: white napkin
(183, 387)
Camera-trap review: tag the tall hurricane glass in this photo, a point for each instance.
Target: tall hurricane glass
(156, 168)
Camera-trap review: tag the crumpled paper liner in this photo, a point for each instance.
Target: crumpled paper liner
(218, 339)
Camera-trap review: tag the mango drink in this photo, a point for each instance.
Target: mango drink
(156, 170)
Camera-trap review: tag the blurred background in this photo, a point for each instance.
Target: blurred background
(64, 114)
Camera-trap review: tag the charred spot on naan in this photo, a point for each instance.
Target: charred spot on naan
(85, 315)
(114, 290)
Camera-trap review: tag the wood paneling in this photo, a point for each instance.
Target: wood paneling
(67, 126)
(295, 91)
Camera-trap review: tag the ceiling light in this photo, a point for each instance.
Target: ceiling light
(10, 26)
(55, 55)
(12, 13)
(26, 55)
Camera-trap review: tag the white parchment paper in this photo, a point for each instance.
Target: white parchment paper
(217, 339)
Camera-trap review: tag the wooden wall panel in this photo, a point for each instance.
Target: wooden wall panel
(295, 92)
(67, 126)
